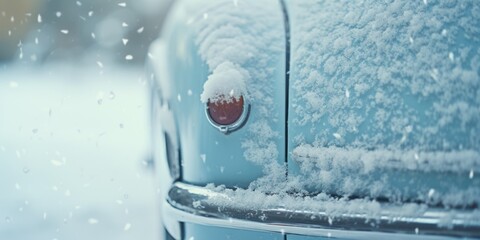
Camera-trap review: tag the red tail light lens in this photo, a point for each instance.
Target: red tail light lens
(228, 114)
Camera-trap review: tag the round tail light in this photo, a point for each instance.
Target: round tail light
(229, 114)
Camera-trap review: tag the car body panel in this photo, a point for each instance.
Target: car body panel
(199, 232)
(298, 237)
(193, 31)
(384, 99)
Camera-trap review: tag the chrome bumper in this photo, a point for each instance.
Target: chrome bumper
(189, 203)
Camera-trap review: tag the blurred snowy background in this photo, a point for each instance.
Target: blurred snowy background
(74, 119)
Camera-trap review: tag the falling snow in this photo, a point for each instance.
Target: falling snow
(92, 221)
(62, 180)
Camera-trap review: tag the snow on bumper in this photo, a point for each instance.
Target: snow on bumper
(315, 216)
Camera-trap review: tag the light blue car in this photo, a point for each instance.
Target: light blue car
(283, 119)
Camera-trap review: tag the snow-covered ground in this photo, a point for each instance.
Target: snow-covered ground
(72, 141)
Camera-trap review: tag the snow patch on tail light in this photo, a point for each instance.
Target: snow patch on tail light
(227, 80)
(224, 95)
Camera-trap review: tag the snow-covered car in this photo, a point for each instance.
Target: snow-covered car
(283, 119)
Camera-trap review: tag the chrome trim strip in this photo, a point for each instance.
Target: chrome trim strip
(184, 200)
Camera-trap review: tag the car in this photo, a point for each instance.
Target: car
(282, 119)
